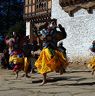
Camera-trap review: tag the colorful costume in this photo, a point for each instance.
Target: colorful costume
(91, 64)
(47, 62)
(50, 59)
(17, 59)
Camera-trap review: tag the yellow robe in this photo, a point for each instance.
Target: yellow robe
(16, 60)
(46, 63)
(23, 60)
(91, 64)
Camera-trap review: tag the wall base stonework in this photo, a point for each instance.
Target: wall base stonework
(80, 30)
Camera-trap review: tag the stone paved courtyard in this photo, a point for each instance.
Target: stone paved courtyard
(76, 82)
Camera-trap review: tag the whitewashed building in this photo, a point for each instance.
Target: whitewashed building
(78, 18)
(79, 25)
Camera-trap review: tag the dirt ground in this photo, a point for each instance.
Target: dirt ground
(78, 81)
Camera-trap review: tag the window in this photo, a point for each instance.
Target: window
(41, 5)
(26, 10)
(26, 2)
(30, 1)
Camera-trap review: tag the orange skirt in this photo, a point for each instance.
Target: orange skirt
(91, 64)
(46, 63)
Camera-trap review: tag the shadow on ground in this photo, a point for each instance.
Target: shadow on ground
(75, 81)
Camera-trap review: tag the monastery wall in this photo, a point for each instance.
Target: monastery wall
(80, 31)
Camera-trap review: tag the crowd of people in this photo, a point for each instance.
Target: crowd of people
(16, 52)
(21, 54)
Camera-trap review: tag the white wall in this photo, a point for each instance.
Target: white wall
(80, 30)
(28, 25)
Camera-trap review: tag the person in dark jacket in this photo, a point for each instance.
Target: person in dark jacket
(27, 48)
